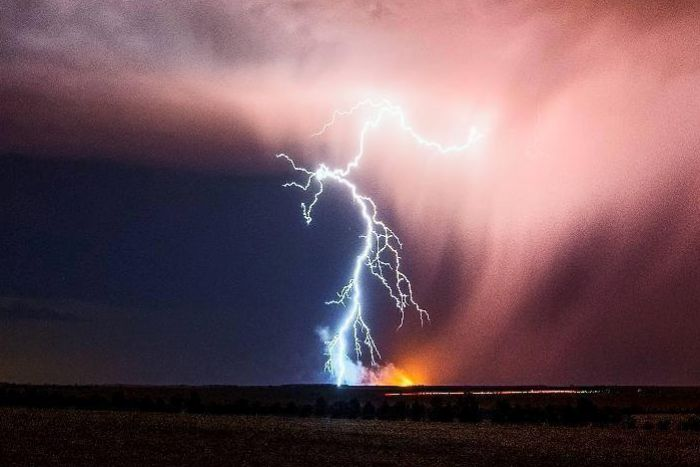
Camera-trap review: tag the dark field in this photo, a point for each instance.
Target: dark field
(81, 437)
(322, 424)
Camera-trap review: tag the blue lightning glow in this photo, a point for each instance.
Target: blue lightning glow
(380, 250)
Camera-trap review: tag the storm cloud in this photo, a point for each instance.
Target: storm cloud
(563, 249)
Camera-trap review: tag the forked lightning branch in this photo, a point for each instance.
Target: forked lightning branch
(380, 254)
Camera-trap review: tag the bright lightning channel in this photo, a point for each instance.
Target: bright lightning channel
(380, 250)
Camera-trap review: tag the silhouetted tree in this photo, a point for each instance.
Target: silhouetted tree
(417, 411)
(144, 404)
(256, 408)
(241, 407)
(502, 413)
(118, 400)
(353, 409)
(439, 411)
(194, 403)
(306, 410)
(384, 411)
(586, 412)
(291, 409)
(177, 404)
(399, 411)
(368, 411)
(468, 410)
(321, 407)
(275, 409)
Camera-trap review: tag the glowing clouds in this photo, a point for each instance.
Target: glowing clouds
(568, 233)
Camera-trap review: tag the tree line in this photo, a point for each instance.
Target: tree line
(465, 409)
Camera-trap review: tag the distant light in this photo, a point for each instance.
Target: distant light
(505, 392)
(425, 393)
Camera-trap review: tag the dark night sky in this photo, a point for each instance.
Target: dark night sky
(145, 236)
(157, 275)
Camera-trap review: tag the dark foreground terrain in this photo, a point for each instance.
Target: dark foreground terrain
(83, 437)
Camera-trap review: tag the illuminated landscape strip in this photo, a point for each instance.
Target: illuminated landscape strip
(505, 392)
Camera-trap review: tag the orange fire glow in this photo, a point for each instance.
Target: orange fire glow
(391, 375)
(402, 379)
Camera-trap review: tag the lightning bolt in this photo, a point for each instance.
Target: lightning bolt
(381, 246)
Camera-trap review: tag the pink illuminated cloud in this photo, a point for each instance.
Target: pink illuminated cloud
(562, 249)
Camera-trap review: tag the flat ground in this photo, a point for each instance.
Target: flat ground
(74, 437)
